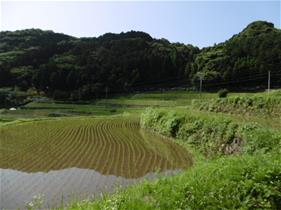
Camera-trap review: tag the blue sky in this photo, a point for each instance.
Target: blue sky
(201, 23)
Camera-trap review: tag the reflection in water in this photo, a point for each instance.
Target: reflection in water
(58, 187)
(73, 158)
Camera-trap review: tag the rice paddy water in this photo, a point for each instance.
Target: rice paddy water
(79, 158)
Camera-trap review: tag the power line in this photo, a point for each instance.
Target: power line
(240, 80)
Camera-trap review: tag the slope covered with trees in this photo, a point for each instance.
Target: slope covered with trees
(66, 67)
(242, 61)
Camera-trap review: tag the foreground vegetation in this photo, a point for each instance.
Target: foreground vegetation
(237, 182)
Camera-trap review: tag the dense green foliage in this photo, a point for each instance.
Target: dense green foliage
(211, 135)
(244, 60)
(72, 68)
(260, 105)
(9, 97)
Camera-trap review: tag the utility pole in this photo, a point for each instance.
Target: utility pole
(106, 92)
(201, 81)
(268, 83)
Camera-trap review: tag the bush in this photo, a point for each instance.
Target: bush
(166, 124)
(211, 135)
(222, 93)
(246, 105)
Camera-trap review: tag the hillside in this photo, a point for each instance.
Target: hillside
(65, 67)
(244, 60)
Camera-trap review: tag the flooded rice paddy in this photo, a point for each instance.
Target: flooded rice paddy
(79, 158)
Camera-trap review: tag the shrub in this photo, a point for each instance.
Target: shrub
(211, 135)
(249, 105)
(222, 93)
(172, 124)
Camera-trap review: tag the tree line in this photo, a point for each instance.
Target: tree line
(65, 67)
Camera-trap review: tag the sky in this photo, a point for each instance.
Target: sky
(200, 23)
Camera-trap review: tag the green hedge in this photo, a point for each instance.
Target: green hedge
(212, 135)
(241, 105)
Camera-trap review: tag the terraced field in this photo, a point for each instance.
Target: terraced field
(112, 146)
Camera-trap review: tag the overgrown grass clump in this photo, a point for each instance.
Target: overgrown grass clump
(212, 135)
(242, 105)
(235, 182)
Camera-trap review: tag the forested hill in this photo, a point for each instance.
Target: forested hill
(86, 67)
(244, 60)
(82, 68)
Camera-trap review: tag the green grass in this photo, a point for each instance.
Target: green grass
(57, 109)
(212, 135)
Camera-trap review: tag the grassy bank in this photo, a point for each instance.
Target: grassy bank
(236, 182)
(258, 104)
(212, 135)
